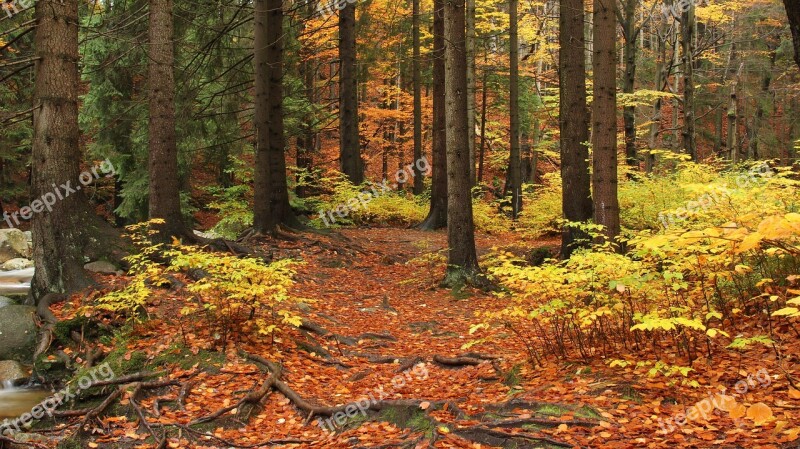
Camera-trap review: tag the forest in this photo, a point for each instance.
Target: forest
(408, 224)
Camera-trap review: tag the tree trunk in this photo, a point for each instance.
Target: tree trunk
(514, 165)
(604, 117)
(733, 113)
(419, 184)
(471, 88)
(793, 13)
(437, 217)
(271, 195)
(574, 124)
(61, 234)
(482, 150)
(349, 145)
(165, 200)
(687, 42)
(630, 32)
(462, 257)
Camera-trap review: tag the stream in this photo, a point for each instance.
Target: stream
(15, 401)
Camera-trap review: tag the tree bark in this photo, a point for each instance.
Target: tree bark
(59, 235)
(687, 43)
(462, 256)
(574, 124)
(350, 152)
(793, 13)
(437, 217)
(271, 195)
(419, 184)
(630, 33)
(604, 117)
(471, 88)
(165, 200)
(514, 165)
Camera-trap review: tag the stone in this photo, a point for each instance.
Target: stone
(16, 264)
(18, 333)
(12, 372)
(5, 301)
(13, 244)
(101, 266)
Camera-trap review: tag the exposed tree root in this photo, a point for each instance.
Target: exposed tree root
(49, 321)
(490, 437)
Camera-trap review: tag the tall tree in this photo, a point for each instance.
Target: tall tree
(271, 196)
(416, 76)
(574, 124)
(462, 256)
(793, 12)
(687, 47)
(437, 217)
(349, 145)
(514, 164)
(59, 235)
(630, 33)
(471, 35)
(604, 119)
(165, 200)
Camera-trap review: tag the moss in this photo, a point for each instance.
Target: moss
(179, 355)
(512, 377)
(63, 329)
(69, 443)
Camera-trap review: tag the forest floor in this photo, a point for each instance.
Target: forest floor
(380, 334)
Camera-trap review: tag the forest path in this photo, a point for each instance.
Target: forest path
(380, 362)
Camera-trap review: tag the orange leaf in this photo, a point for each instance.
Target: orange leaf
(759, 413)
(794, 394)
(738, 411)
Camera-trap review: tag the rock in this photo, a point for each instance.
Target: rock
(12, 372)
(17, 333)
(13, 244)
(16, 264)
(101, 266)
(4, 301)
(207, 235)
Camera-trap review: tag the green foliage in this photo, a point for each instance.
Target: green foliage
(236, 296)
(682, 287)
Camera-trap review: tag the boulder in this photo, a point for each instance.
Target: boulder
(16, 264)
(13, 244)
(17, 333)
(4, 302)
(102, 267)
(12, 372)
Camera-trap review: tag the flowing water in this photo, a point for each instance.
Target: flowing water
(15, 282)
(16, 401)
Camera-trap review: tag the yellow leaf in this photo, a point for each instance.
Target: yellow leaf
(443, 429)
(750, 242)
(759, 413)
